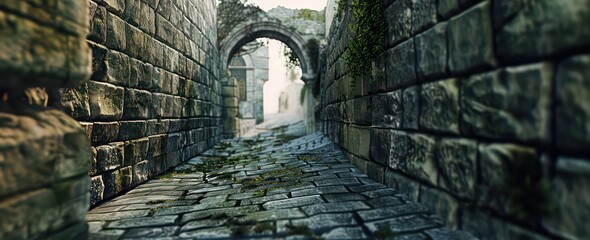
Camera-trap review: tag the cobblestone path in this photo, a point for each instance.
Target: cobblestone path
(273, 186)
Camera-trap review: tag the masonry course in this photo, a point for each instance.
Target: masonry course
(157, 91)
(475, 95)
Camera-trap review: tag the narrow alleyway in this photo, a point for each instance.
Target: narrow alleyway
(273, 184)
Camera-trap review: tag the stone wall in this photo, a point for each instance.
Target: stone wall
(153, 99)
(44, 153)
(482, 112)
(251, 71)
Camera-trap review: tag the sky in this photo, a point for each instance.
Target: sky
(277, 73)
(295, 4)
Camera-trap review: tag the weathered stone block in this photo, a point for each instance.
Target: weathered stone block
(99, 63)
(380, 139)
(103, 133)
(360, 163)
(171, 60)
(513, 108)
(400, 65)
(569, 196)
(126, 177)
(387, 110)
(71, 16)
(116, 181)
(28, 215)
(398, 17)
(36, 148)
(132, 129)
(471, 44)
(136, 151)
(423, 15)
(195, 109)
(109, 157)
(402, 184)
(440, 106)
(132, 11)
(157, 145)
(152, 3)
(137, 104)
(174, 142)
(112, 183)
(508, 174)
(442, 204)
(176, 107)
(118, 68)
(96, 190)
(116, 33)
(165, 81)
(98, 23)
(157, 127)
(46, 149)
(117, 6)
(431, 53)
(23, 66)
(79, 62)
(135, 72)
(573, 111)
(160, 101)
(447, 8)
(419, 161)
(164, 30)
(411, 106)
(174, 85)
(75, 102)
(399, 150)
(135, 41)
(359, 141)
(92, 171)
(173, 158)
(73, 199)
(165, 8)
(376, 171)
(106, 101)
(144, 76)
(176, 125)
(148, 18)
(361, 110)
(519, 37)
(153, 51)
(414, 155)
(76, 155)
(230, 102)
(140, 172)
(456, 159)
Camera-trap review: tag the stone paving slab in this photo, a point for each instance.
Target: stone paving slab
(270, 186)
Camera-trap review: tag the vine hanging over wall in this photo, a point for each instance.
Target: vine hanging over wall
(366, 44)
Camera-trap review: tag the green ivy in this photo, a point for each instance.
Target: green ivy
(340, 8)
(366, 44)
(312, 15)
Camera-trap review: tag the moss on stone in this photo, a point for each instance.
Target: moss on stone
(173, 173)
(384, 232)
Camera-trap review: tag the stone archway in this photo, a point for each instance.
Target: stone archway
(289, 26)
(274, 30)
